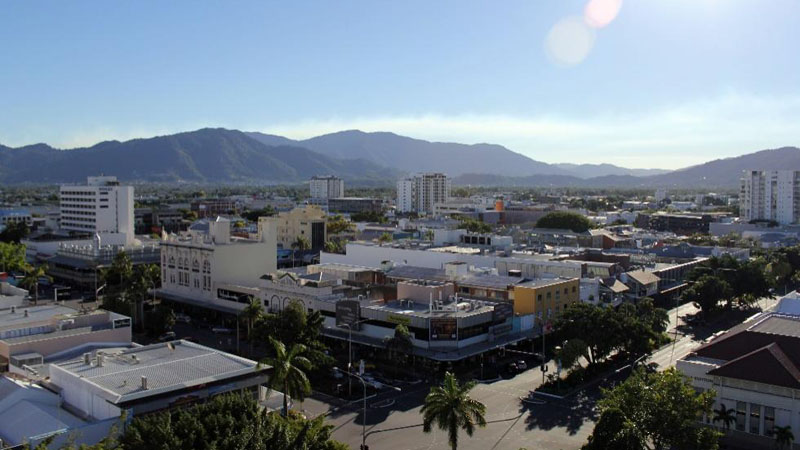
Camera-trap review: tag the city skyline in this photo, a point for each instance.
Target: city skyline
(660, 84)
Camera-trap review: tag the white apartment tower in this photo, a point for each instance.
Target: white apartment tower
(327, 186)
(770, 195)
(101, 207)
(420, 192)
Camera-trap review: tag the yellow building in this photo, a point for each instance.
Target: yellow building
(546, 298)
(308, 222)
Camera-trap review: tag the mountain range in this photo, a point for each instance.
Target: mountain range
(216, 155)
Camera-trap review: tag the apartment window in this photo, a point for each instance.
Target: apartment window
(539, 297)
(566, 291)
(573, 289)
(741, 415)
(755, 418)
(548, 296)
(769, 421)
(558, 295)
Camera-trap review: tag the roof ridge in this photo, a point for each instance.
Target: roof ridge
(775, 350)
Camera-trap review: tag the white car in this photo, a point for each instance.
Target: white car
(182, 318)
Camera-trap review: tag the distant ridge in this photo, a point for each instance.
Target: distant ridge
(217, 155)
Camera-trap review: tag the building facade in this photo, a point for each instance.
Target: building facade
(102, 207)
(421, 192)
(308, 222)
(770, 195)
(328, 186)
(352, 205)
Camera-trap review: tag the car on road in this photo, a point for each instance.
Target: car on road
(372, 381)
(518, 366)
(168, 336)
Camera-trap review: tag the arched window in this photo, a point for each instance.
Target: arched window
(196, 265)
(206, 266)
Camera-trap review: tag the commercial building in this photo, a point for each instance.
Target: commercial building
(353, 205)
(14, 216)
(94, 389)
(31, 335)
(326, 187)
(150, 220)
(102, 207)
(213, 207)
(208, 268)
(421, 192)
(308, 222)
(754, 369)
(545, 298)
(770, 195)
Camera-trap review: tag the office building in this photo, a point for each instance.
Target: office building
(421, 192)
(325, 187)
(208, 268)
(15, 216)
(353, 205)
(102, 207)
(770, 195)
(308, 222)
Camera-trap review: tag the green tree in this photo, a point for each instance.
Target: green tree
(784, 436)
(384, 238)
(33, 275)
(253, 215)
(334, 246)
(226, 422)
(288, 372)
(400, 343)
(451, 408)
(474, 225)
(565, 220)
(301, 243)
(14, 232)
(707, 292)
(293, 325)
(338, 224)
(161, 319)
(653, 411)
(12, 256)
(725, 415)
(251, 314)
(571, 352)
(144, 277)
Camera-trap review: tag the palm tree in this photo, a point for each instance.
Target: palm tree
(32, 276)
(451, 408)
(399, 343)
(251, 313)
(302, 244)
(287, 371)
(784, 436)
(725, 415)
(384, 238)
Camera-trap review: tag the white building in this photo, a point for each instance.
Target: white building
(421, 192)
(661, 195)
(770, 195)
(102, 206)
(210, 268)
(328, 186)
(754, 369)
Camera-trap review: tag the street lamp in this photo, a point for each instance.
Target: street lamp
(544, 333)
(364, 418)
(350, 351)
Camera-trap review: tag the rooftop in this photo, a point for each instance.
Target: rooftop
(34, 314)
(167, 367)
(463, 308)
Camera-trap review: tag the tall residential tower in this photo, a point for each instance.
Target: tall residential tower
(770, 195)
(420, 192)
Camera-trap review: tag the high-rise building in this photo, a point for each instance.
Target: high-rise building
(327, 186)
(770, 195)
(102, 207)
(419, 193)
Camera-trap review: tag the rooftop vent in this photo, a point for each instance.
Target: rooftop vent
(13, 309)
(144, 382)
(87, 358)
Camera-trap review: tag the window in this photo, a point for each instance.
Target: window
(566, 291)
(741, 413)
(755, 418)
(769, 421)
(573, 289)
(549, 296)
(539, 297)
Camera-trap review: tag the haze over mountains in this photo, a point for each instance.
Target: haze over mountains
(230, 156)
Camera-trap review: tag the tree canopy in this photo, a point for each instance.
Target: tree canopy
(565, 220)
(653, 411)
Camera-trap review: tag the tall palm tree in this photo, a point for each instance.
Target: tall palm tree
(32, 276)
(451, 408)
(384, 238)
(302, 244)
(784, 436)
(251, 314)
(287, 372)
(725, 415)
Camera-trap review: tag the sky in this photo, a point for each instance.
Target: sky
(637, 83)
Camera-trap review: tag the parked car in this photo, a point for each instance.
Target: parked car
(182, 318)
(517, 366)
(168, 336)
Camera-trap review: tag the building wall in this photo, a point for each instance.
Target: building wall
(102, 206)
(547, 301)
(421, 192)
(326, 187)
(288, 226)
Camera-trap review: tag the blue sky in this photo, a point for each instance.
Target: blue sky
(667, 83)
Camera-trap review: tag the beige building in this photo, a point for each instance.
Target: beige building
(308, 222)
(29, 335)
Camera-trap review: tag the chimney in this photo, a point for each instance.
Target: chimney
(87, 359)
(144, 382)
(99, 360)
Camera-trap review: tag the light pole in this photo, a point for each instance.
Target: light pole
(364, 414)
(544, 334)
(350, 352)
